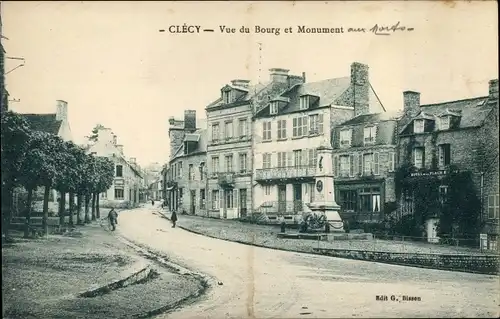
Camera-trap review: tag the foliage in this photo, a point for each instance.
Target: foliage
(105, 173)
(94, 136)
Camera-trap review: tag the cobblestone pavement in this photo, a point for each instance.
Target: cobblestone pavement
(252, 282)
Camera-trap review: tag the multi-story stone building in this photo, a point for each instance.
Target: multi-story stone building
(229, 152)
(365, 149)
(128, 182)
(290, 128)
(461, 134)
(185, 177)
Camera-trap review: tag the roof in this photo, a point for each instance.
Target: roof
(327, 91)
(247, 95)
(200, 139)
(473, 111)
(372, 118)
(43, 122)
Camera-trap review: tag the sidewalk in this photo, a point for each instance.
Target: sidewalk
(43, 278)
(266, 236)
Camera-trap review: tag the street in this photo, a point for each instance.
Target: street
(251, 282)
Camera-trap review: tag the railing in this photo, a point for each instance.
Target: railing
(288, 172)
(281, 207)
(226, 178)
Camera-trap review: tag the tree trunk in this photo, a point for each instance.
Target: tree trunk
(71, 208)
(28, 214)
(62, 208)
(87, 212)
(45, 218)
(98, 212)
(79, 209)
(7, 199)
(94, 195)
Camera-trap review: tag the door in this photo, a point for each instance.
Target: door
(297, 197)
(243, 202)
(193, 201)
(282, 199)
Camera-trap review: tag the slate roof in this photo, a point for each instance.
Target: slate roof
(372, 118)
(473, 111)
(248, 94)
(43, 122)
(201, 146)
(327, 90)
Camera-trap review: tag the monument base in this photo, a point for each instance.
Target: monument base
(331, 211)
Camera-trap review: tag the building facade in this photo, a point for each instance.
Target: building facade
(364, 155)
(185, 180)
(456, 136)
(290, 128)
(128, 182)
(229, 151)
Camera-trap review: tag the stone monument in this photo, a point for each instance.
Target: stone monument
(324, 195)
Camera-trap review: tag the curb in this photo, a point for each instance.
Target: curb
(134, 278)
(319, 254)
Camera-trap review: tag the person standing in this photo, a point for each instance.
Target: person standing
(113, 218)
(173, 218)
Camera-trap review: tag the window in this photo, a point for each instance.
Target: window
(492, 242)
(444, 122)
(215, 199)
(345, 137)
(348, 200)
(104, 195)
(215, 132)
(370, 199)
(229, 199)
(351, 165)
(274, 108)
(418, 159)
(443, 192)
(228, 131)
(215, 164)
(119, 170)
(202, 199)
(242, 128)
(493, 206)
(119, 194)
(267, 190)
(281, 159)
(444, 155)
(418, 126)
(300, 126)
(180, 168)
(313, 157)
(227, 96)
(367, 163)
(376, 164)
(369, 134)
(316, 124)
(266, 131)
(202, 170)
(266, 160)
(344, 165)
(391, 162)
(243, 163)
(281, 129)
(297, 157)
(229, 163)
(312, 187)
(304, 102)
(191, 172)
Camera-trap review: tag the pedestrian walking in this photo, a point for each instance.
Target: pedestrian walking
(153, 202)
(113, 218)
(173, 218)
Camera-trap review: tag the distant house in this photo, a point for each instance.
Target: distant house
(128, 182)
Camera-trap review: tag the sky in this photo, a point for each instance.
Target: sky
(109, 61)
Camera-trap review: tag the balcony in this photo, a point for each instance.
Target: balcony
(226, 179)
(285, 173)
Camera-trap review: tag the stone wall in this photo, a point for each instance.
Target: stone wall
(483, 264)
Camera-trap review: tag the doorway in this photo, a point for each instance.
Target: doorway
(297, 197)
(243, 202)
(282, 199)
(193, 201)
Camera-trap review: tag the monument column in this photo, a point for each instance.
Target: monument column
(324, 195)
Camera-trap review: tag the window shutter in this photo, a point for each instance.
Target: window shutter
(221, 199)
(305, 130)
(350, 137)
(376, 164)
(360, 164)
(295, 127)
(320, 123)
(235, 198)
(311, 157)
(289, 159)
(351, 165)
(305, 157)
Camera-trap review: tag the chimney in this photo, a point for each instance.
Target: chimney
(360, 85)
(304, 76)
(411, 103)
(61, 110)
(241, 83)
(190, 120)
(279, 75)
(493, 89)
(120, 148)
(133, 160)
(115, 139)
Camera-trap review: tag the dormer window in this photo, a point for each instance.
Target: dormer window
(274, 107)
(227, 96)
(444, 123)
(418, 126)
(304, 102)
(370, 133)
(345, 138)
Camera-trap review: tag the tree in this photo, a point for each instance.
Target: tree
(76, 156)
(105, 170)
(15, 135)
(93, 137)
